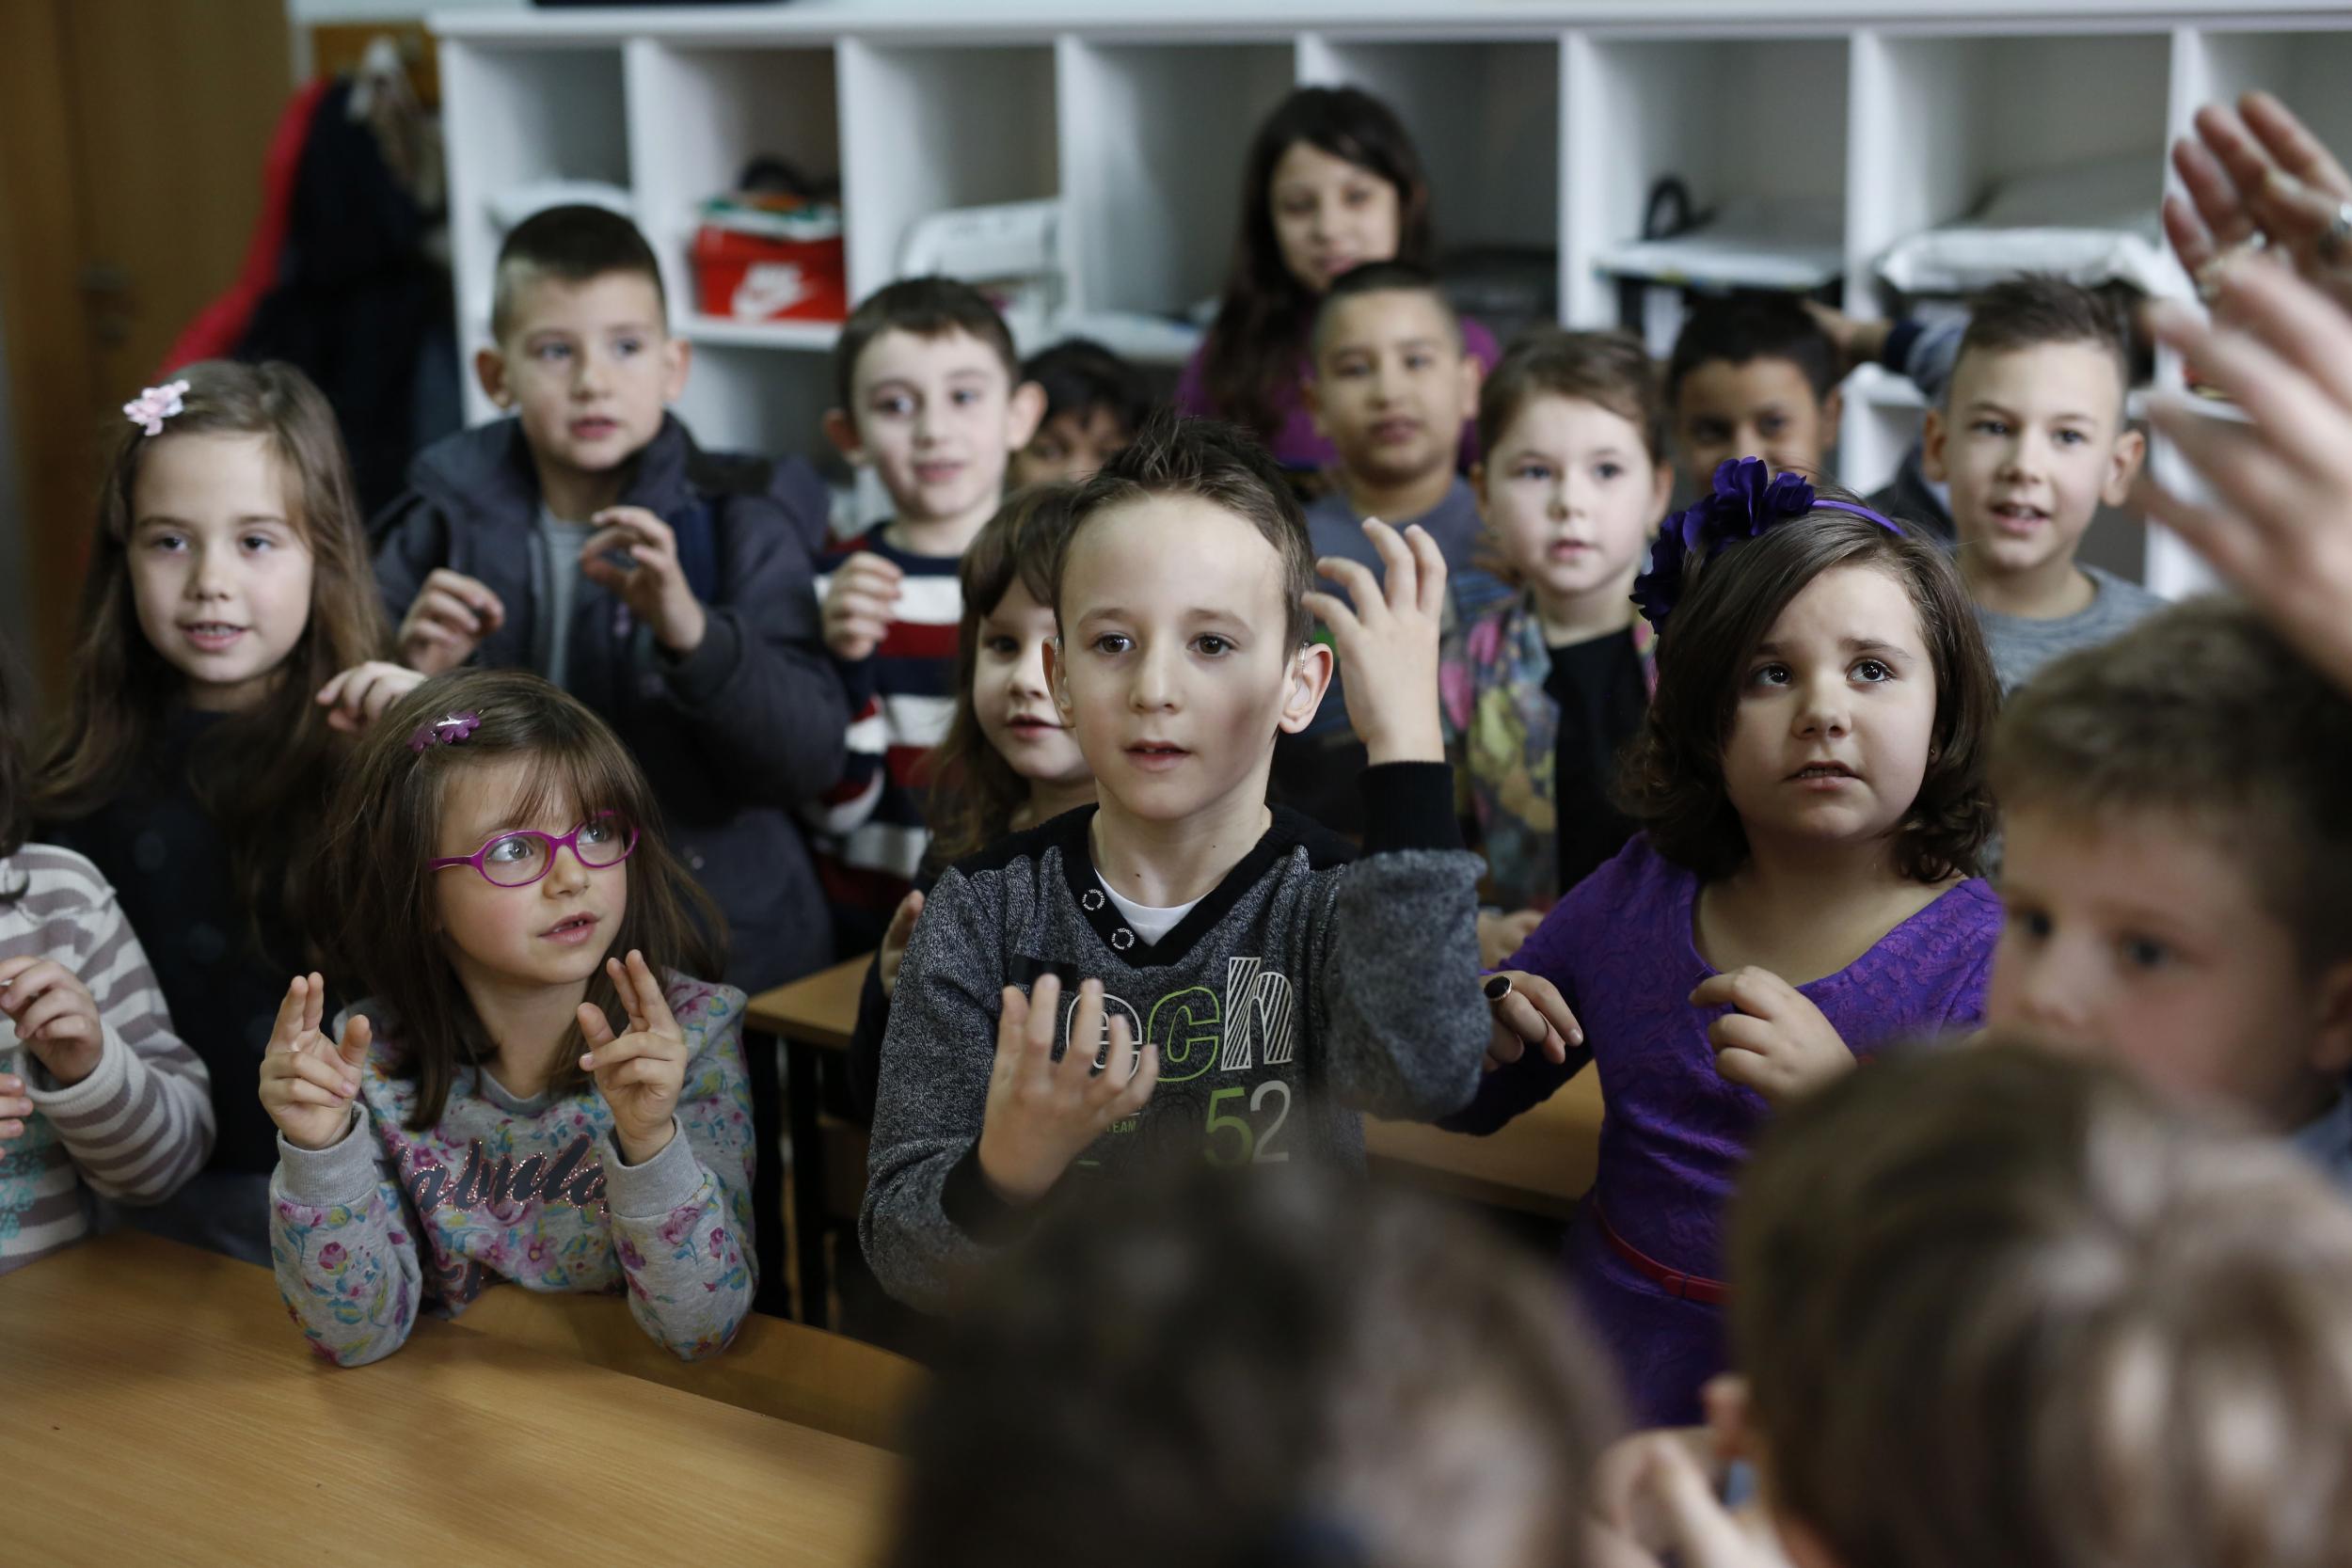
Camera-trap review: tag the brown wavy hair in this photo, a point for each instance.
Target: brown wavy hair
(1997, 1305)
(975, 791)
(377, 910)
(262, 775)
(1673, 782)
(1260, 329)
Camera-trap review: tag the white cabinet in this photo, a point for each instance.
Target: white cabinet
(1544, 124)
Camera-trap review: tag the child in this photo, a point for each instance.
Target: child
(2030, 437)
(1994, 1307)
(1362, 1378)
(1332, 182)
(589, 539)
(98, 1097)
(1095, 402)
(228, 586)
(932, 400)
(1008, 760)
(2175, 866)
(500, 890)
(1809, 786)
(1754, 375)
(1543, 693)
(1230, 950)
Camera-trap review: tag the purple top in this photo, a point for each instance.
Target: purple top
(1296, 444)
(1620, 948)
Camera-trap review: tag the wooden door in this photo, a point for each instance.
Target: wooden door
(131, 133)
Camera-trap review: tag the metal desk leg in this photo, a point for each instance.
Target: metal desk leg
(808, 1182)
(763, 1062)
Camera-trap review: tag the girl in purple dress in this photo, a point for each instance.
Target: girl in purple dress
(1802, 895)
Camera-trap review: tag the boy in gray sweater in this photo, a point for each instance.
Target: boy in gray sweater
(1238, 982)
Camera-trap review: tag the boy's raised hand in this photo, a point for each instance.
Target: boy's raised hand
(2253, 169)
(359, 696)
(452, 615)
(894, 942)
(1043, 1114)
(639, 1072)
(654, 584)
(860, 599)
(1775, 1040)
(54, 1017)
(308, 1080)
(1387, 642)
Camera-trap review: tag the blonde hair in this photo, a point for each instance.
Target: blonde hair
(1997, 1306)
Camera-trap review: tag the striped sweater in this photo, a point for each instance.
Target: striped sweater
(870, 825)
(141, 1123)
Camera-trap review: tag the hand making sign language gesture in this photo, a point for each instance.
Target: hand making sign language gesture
(1043, 1114)
(448, 620)
(55, 1018)
(654, 584)
(1386, 641)
(640, 1073)
(309, 1082)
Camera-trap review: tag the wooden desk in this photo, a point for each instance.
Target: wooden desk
(1540, 1164)
(827, 1382)
(158, 1407)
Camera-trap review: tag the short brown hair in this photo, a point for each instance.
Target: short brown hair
(1610, 370)
(375, 901)
(1380, 277)
(2034, 309)
(1673, 783)
(1996, 1305)
(1175, 455)
(2205, 712)
(928, 307)
(975, 791)
(1262, 1366)
(577, 243)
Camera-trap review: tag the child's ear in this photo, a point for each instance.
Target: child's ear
(489, 369)
(1477, 477)
(1832, 421)
(1474, 375)
(841, 431)
(1931, 438)
(1310, 677)
(1023, 412)
(677, 358)
(1661, 491)
(1056, 678)
(2332, 1030)
(2131, 449)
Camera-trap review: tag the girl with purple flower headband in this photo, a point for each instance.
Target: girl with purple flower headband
(1802, 894)
(535, 1090)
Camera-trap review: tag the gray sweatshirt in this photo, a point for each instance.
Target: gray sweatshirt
(1313, 982)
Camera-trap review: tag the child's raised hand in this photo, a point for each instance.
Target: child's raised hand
(894, 942)
(452, 615)
(1658, 1505)
(1775, 1041)
(1528, 1010)
(860, 599)
(1387, 642)
(359, 696)
(54, 1017)
(654, 586)
(308, 1080)
(2281, 527)
(1501, 935)
(2255, 169)
(641, 1072)
(1043, 1114)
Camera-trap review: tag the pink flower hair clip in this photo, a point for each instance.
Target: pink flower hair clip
(151, 407)
(449, 731)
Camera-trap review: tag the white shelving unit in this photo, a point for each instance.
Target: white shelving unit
(1543, 122)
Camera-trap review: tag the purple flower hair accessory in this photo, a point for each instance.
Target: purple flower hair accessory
(447, 732)
(1747, 498)
(155, 404)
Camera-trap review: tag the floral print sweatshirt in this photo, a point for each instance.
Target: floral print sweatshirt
(365, 1232)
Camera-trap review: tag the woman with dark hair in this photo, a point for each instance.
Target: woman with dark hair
(1333, 183)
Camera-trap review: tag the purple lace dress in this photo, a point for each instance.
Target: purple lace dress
(1619, 947)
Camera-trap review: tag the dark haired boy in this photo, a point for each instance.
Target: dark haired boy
(1754, 375)
(1095, 402)
(1237, 983)
(932, 399)
(589, 539)
(2032, 438)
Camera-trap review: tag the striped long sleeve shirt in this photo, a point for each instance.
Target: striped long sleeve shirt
(141, 1123)
(870, 826)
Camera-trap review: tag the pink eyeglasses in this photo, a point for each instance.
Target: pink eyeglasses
(522, 858)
